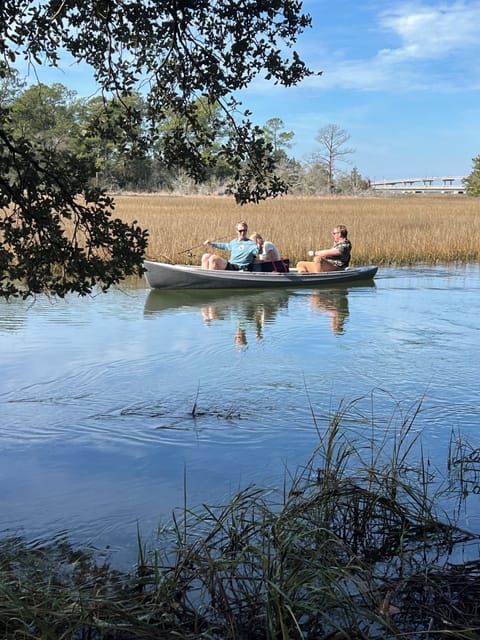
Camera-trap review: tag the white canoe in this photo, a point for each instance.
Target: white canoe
(160, 275)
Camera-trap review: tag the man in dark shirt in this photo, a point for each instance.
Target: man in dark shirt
(334, 259)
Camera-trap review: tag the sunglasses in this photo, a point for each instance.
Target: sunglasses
(241, 231)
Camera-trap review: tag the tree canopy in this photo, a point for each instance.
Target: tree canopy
(472, 182)
(57, 231)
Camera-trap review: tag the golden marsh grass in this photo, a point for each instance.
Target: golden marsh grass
(383, 230)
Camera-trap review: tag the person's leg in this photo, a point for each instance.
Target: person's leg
(205, 259)
(324, 265)
(307, 267)
(217, 263)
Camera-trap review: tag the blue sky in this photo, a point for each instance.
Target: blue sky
(402, 78)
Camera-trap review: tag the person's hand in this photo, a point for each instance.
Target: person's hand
(207, 242)
(311, 253)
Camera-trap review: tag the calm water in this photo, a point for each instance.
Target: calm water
(96, 395)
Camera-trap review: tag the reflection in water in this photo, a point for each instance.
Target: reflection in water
(250, 311)
(221, 299)
(335, 304)
(241, 338)
(98, 434)
(12, 316)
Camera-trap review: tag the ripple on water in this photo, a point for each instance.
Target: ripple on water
(107, 406)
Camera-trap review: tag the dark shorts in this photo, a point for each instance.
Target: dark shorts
(232, 267)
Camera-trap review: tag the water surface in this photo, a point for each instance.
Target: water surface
(109, 404)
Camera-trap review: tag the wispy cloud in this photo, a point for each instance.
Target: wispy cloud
(430, 46)
(431, 32)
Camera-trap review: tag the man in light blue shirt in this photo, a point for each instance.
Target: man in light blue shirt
(242, 252)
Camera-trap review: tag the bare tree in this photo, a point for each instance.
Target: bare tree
(333, 140)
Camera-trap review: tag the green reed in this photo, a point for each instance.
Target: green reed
(354, 545)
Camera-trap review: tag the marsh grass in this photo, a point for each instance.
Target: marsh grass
(354, 545)
(383, 230)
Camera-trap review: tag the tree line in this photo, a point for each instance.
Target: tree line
(58, 120)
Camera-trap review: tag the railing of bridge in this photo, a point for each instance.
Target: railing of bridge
(443, 184)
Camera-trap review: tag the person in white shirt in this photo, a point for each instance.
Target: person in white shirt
(267, 251)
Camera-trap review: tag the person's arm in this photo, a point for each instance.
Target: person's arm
(269, 251)
(325, 253)
(218, 245)
(269, 255)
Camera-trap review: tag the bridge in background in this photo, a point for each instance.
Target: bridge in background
(436, 184)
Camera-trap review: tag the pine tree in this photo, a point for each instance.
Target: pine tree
(472, 182)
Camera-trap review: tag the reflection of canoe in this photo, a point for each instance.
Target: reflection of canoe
(173, 276)
(258, 307)
(162, 300)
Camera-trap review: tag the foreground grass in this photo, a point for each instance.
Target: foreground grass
(383, 230)
(355, 545)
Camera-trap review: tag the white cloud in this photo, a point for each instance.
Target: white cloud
(431, 32)
(431, 46)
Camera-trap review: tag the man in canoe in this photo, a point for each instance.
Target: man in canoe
(334, 259)
(242, 252)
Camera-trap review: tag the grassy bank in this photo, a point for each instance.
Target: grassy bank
(356, 545)
(383, 230)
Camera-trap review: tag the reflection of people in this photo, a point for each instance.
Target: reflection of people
(242, 252)
(266, 249)
(240, 338)
(334, 259)
(210, 313)
(335, 304)
(250, 313)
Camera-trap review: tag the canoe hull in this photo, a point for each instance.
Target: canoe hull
(160, 275)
